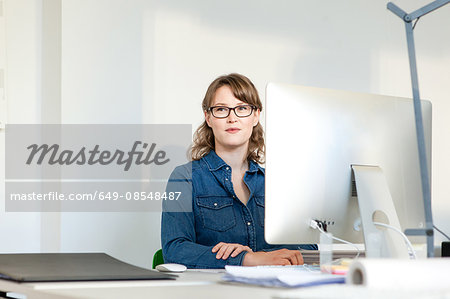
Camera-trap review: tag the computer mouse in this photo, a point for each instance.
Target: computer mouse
(171, 268)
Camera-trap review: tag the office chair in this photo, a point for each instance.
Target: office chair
(158, 258)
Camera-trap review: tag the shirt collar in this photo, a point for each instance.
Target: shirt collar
(215, 162)
(254, 167)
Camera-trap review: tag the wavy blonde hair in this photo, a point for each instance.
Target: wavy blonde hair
(244, 90)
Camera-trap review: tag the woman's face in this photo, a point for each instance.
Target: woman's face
(232, 132)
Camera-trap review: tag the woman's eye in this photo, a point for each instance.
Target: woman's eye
(242, 108)
(221, 109)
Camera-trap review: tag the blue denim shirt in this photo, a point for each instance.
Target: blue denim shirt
(208, 212)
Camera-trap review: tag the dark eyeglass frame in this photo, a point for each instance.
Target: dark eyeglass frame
(229, 110)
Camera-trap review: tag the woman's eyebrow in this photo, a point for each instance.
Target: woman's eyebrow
(223, 104)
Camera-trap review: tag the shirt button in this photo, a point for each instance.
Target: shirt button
(234, 196)
(249, 223)
(226, 179)
(228, 168)
(215, 204)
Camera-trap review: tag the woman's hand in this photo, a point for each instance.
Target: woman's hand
(224, 250)
(276, 257)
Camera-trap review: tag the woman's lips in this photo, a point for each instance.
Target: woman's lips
(233, 130)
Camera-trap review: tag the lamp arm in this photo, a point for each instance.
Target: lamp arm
(425, 178)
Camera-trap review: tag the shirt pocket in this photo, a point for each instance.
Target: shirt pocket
(216, 212)
(260, 207)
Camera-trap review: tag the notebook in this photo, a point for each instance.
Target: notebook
(45, 267)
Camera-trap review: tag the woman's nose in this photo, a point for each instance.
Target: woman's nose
(232, 117)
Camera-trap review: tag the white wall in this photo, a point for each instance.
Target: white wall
(137, 61)
(20, 232)
(102, 84)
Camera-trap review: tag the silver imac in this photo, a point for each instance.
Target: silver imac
(313, 138)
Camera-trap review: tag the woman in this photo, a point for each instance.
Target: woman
(219, 218)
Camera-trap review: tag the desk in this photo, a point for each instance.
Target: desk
(192, 284)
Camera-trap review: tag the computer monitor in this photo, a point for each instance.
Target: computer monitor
(314, 136)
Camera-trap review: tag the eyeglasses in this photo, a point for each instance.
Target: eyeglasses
(239, 111)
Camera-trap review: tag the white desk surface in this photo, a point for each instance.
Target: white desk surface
(190, 284)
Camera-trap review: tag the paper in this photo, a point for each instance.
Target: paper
(279, 276)
(400, 273)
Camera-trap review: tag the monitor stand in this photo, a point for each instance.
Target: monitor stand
(376, 205)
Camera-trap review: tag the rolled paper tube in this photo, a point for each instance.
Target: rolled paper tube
(400, 273)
